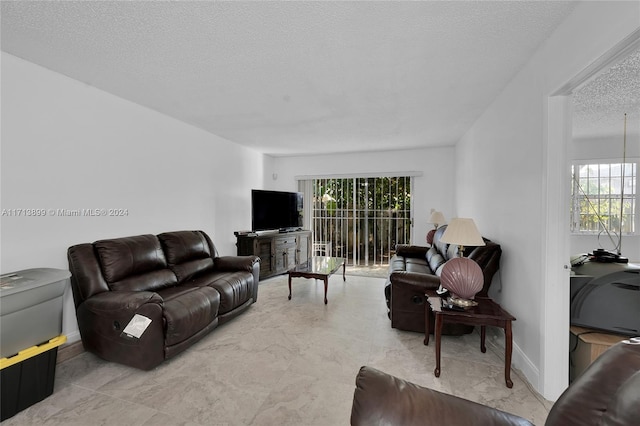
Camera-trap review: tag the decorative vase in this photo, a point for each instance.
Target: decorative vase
(462, 277)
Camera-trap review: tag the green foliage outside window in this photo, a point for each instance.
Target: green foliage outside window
(362, 217)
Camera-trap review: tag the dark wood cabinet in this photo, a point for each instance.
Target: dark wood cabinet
(278, 252)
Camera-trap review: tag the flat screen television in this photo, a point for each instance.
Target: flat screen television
(276, 210)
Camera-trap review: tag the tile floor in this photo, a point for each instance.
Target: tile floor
(280, 363)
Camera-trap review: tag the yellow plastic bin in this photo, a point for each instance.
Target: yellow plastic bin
(28, 377)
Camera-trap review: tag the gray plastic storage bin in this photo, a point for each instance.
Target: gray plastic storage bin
(30, 308)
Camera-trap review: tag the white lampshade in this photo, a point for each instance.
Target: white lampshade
(463, 232)
(436, 218)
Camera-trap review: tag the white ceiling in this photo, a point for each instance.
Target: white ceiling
(600, 105)
(290, 78)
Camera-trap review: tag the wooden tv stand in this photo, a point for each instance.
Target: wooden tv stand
(278, 252)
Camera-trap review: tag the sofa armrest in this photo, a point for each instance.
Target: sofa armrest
(241, 263)
(118, 302)
(103, 317)
(407, 299)
(406, 250)
(236, 263)
(382, 399)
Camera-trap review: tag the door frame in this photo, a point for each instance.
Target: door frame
(554, 327)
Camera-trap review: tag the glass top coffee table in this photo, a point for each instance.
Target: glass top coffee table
(319, 268)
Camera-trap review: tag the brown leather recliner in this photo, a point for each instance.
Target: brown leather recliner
(175, 279)
(415, 269)
(607, 393)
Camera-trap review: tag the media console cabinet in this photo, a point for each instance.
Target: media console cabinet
(279, 252)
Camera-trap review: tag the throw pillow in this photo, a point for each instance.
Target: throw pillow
(436, 261)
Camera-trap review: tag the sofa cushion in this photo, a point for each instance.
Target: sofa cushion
(187, 310)
(182, 246)
(149, 281)
(125, 257)
(417, 265)
(235, 288)
(186, 270)
(188, 253)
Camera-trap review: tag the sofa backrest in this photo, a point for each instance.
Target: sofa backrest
(606, 393)
(86, 274)
(134, 263)
(188, 252)
(488, 257)
(138, 263)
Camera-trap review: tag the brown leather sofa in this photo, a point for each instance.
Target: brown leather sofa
(607, 393)
(176, 279)
(415, 269)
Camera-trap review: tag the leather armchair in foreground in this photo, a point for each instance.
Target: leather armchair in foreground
(607, 393)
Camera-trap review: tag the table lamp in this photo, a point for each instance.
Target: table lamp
(462, 276)
(437, 218)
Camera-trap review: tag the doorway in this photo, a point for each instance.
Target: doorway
(360, 218)
(554, 350)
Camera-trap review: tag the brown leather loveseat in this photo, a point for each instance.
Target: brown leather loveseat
(176, 279)
(606, 393)
(415, 269)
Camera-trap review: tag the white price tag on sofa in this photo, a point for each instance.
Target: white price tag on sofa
(136, 326)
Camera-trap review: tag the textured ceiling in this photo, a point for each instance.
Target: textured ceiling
(601, 104)
(291, 78)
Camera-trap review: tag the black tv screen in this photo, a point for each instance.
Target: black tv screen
(272, 210)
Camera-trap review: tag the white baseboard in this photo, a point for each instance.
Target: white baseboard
(528, 369)
(519, 361)
(72, 337)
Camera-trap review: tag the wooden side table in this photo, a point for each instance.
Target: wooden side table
(487, 312)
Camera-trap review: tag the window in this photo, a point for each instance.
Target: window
(598, 192)
(360, 218)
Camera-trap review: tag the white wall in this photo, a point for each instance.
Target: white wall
(502, 169)
(433, 189)
(66, 145)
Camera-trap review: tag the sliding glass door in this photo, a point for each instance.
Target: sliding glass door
(361, 219)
